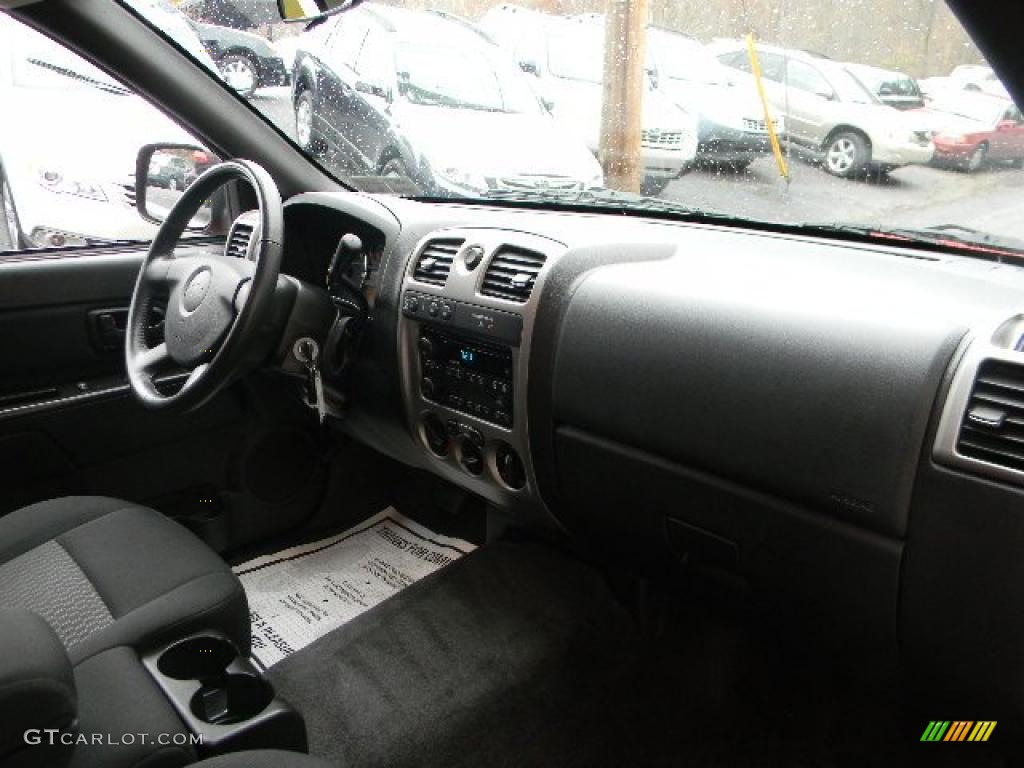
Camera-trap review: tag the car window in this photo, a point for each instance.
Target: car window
(773, 65)
(375, 63)
(69, 139)
(346, 42)
(804, 77)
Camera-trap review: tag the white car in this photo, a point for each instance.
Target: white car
(731, 123)
(976, 77)
(566, 57)
(57, 187)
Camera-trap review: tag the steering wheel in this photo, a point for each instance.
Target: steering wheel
(218, 306)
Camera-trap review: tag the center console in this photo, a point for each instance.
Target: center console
(222, 697)
(468, 305)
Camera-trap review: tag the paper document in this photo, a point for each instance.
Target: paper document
(302, 593)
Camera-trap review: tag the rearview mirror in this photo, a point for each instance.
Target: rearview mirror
(162, 174)
(306, 10)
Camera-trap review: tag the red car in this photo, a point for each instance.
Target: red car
(971, 129)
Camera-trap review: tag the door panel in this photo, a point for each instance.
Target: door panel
(69, 425)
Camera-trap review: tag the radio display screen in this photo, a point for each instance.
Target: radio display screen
(476, 357)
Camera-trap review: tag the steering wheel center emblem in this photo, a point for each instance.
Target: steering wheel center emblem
(195, 290)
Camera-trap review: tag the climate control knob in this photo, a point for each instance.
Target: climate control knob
(510, 467)
(435, 435)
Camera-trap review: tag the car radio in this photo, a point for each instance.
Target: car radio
(466, 375)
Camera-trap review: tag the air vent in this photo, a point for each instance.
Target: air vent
(512, 273)
(238, 242)
(436, 261)
(992, 429)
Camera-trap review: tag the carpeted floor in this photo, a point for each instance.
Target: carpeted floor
(511, 656)
(518, 655)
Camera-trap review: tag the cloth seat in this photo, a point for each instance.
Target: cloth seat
(105, 573)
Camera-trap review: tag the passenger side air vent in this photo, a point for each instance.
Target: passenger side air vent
(436, 261)
(992, 429)
(238, 242)
(512, 273)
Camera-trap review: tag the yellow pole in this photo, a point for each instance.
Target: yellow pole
(755, 67)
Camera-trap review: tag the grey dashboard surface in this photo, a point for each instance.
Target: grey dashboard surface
(806, 370)
(804, 367)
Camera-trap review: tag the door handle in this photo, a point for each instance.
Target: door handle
(107, 327)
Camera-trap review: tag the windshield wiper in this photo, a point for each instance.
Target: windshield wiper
(103, 86)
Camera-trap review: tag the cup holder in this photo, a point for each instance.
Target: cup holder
(198, 658)
(231, 699)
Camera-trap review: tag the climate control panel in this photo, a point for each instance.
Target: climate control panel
(467, 376)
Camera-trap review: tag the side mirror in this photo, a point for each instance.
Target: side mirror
(1006, 125)
(162, 174)
(826, 95)
(652, 74)
(529, 66)
(306, 10)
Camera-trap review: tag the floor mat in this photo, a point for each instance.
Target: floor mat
(302, 593)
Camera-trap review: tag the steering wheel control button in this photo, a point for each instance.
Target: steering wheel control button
(195, 290)
(510, 467)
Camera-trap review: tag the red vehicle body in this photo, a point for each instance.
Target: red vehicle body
(972, 129)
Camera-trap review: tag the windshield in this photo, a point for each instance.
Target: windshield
(576, 54)
(679, 58)
(657, 107)
(461, 79)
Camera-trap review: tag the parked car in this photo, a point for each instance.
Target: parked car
(977, 77)
(246, 61)
(730, 116)
(973, 128)
(896, 89)
(176, 25)
(831, 114)
(176, 172)
(69, 188)
(565, 57)
(374, 89)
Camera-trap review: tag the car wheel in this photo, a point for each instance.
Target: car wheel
(12, 229)
(977, 158)
(846, 154)
(304, 130)
(651, 186)
(240, 73)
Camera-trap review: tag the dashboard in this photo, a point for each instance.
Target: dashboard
(839, 426)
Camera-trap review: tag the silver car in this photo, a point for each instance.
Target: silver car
(831, 114)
